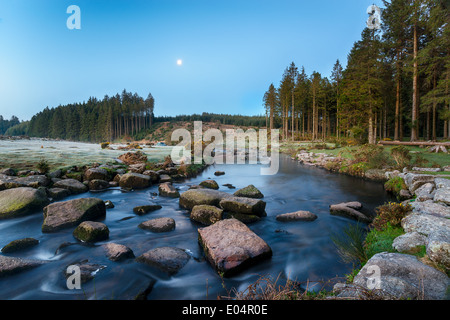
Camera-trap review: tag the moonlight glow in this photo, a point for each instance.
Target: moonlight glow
(179, 62)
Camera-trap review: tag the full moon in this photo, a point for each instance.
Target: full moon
(179, 62)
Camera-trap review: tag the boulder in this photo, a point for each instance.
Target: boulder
(34, 181)
(210, 184)
(414, 181)
(154, 177)
(97, 185)
(166, 259)
(438, 247)
(58, 193)
(404, 194)
(166, 189)
(21, 201)
(8, 182)
(249, 192)
(432, 208)
(20, 244)
(244, 205)
(134, 181)
(425, 223)
(442, 195)
(90, 231)
(109, 204)
(403, 276)
(96, 174)
(206, 214)
(350, 210)
(425, 192)
(296, 216)
(118, 252)
(410, 242)
(442, 183)
(193, 197)
(230, 246)
(74, 186)
(130, 158)
(244, 218)
(141, 210)
(12, 265)
(70, 213)
(219, 173)
(158, 225)
(8, 172)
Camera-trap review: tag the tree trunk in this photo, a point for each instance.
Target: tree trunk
(415, 102)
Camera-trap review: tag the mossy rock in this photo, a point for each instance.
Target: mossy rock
(249, 192)
(20, 244)
(193, 197)
(245, 218)
(206, 214)
(21, 201)
(90, 231)
(210, 184)
(141, 210)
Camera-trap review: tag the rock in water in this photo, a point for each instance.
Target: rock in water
(141, 210)
(74, 186)
(118, 252)
(244, 205)
(297, 216)
(210, 184)
(90, 231)
(134, 181)
(158, 225)
(205, 214)
(249, 192)
(167, 259)
(166, 189)
(21, 201)
(19, 244)
(11, 265)
(230, 246)
(70, 213)
(96, 174)
(350, 210)
(193, 197)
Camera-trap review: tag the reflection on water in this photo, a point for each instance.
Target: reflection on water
(301, 250)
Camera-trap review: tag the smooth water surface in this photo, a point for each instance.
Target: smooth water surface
(301, 250)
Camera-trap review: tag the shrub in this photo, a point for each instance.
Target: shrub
(358, 169)
(395, 185)
(359, 134)
(390, 213)
(350, 245)
(373, 155)
(401, 156)
(104, 145)
(43, 166)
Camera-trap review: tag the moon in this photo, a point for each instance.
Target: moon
(179, 62)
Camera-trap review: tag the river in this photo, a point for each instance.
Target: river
(301, 250)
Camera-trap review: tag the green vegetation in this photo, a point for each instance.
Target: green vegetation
(395, 185)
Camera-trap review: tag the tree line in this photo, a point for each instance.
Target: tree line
(6, 124)
(395, 84)
(95, 120)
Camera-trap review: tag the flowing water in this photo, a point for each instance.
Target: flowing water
(301, 250)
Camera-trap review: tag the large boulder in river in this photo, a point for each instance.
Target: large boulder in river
(230, 246)
(244, 205)
(70, 213)
(20, 244)
(166, 189)
(74, 186)
(12, 265)
(158, 225)
(249, 191)
(193, 197)
(118, 252)
(134, 181)
(21, 201)
(34, 181)
(210, 184)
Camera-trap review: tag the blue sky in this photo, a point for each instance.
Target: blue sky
(231, 50)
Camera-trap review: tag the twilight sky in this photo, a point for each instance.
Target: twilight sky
(231, 50)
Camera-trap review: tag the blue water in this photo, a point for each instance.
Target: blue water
(302, 251)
